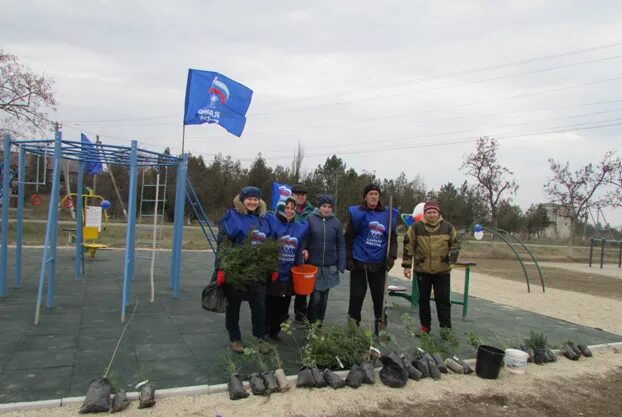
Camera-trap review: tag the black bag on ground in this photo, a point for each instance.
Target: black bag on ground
(454, 366)
(236, 388)
(575, 348)
(119, 401)
(355, 376)
(213, 299)
(97, 398)
(440, 363)
(569, 352)
(305, 378)
(435, 373)
(269, 381)
(585, 350)
(422, 366)
(369, 376)
(257, 385)
(413, 373)
(529, 351)
(551, 355)
(318, 378)
(393, 372)
(465, 366)
(539, 356)
(146, 396)
(333, 380)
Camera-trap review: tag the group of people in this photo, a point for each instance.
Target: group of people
(314, 235)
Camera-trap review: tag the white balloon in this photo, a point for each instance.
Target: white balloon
(478, 235)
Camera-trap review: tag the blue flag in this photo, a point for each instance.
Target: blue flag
(280, 192)
(213, 98)
(94, 165)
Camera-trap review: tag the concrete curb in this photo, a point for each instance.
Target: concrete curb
(194, 390)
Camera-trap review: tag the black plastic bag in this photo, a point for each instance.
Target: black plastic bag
(393, 372)
(440, 364)
(529, 352)
(569, 352)
(575, 348)
(465, 366)
(146, 396)
(257, 385)
(236, 388)
(333, 380)
(422, 366)
(97, 398)
(551, 355)
(213, 299)
(435, 373)
(119, 401)
(318, 378)
(539, 356)
(355, 376)
(585, 351)
(269, 381)
(413, 373)
(369, 376)
(305, 378)
(454, 366)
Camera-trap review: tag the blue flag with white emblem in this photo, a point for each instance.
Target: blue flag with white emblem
(92, 155)
(213, 98)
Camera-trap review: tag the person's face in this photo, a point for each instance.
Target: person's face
(431, 215)
(300, 198)
(251, 203)
(289, 211)
(372, 198)
(326, 210)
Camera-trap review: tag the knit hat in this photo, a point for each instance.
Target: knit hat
(431, 205)
(250, 191)
(370, 187)
(299, 188)
(325, 199)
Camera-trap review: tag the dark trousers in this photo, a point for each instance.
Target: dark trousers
(317, 305)
(441, 284)
(300, 308)
(256, 297)
(276, 313)
(359, 279)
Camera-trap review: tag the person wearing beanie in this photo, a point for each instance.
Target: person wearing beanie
(303, 211)
(431, 243)
(326, 249)
(291, 235)
(248, 217)
(367, 235)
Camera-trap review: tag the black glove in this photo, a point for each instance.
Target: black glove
(390, 263)
(453, 255)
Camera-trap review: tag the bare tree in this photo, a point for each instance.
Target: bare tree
(614, 196)
(299, 156)
(24, 98)
(576, 191)
(494, 181)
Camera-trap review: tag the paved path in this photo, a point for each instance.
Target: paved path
(610, 270)
(175, 342)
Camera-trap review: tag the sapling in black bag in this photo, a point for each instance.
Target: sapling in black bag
(213, 299)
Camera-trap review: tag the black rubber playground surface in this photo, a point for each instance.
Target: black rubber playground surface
(173, 342)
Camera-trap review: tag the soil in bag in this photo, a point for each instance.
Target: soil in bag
(269, 381)
(257, 385)
(393, 372)
(465, 366)
(119, 401)
(97, 398)
(146, 396)
(435, 373)
(236, 388)
(440, 364)
(355, 376)
(281, 379)
(585, 351)
(369, 376)
(333, 380)
(305, 378)
(413, 373)
(318, 378)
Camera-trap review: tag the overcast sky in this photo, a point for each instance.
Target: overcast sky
(388, 86)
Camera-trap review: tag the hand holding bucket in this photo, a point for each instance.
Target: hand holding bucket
(303, 278)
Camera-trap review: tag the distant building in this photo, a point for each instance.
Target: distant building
(560, 222)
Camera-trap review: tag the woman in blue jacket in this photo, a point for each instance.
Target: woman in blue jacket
(326, 249)
(247, 219)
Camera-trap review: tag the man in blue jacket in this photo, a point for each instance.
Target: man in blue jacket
(367, 237)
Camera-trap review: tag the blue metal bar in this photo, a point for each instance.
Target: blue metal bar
(6, 183)
(128, 270)
(52, 210)
(53, 219)
(178, 228)
(79, 203)
(21, 174)
(200, 215)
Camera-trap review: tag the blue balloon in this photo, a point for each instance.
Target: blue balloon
(105, 204)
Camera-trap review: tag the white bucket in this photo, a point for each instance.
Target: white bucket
(515, 361)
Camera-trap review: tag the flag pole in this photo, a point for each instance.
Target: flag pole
(183, 137)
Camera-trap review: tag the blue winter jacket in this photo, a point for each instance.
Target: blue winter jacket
(325, 241)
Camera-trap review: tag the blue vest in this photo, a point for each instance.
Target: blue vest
(371, 233)
(290, 237)
(240, 226)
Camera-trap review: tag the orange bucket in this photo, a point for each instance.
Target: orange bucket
(304, 278)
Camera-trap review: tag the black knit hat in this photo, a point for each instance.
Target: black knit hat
(370, 187)
(325, 199)
(249, 191)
